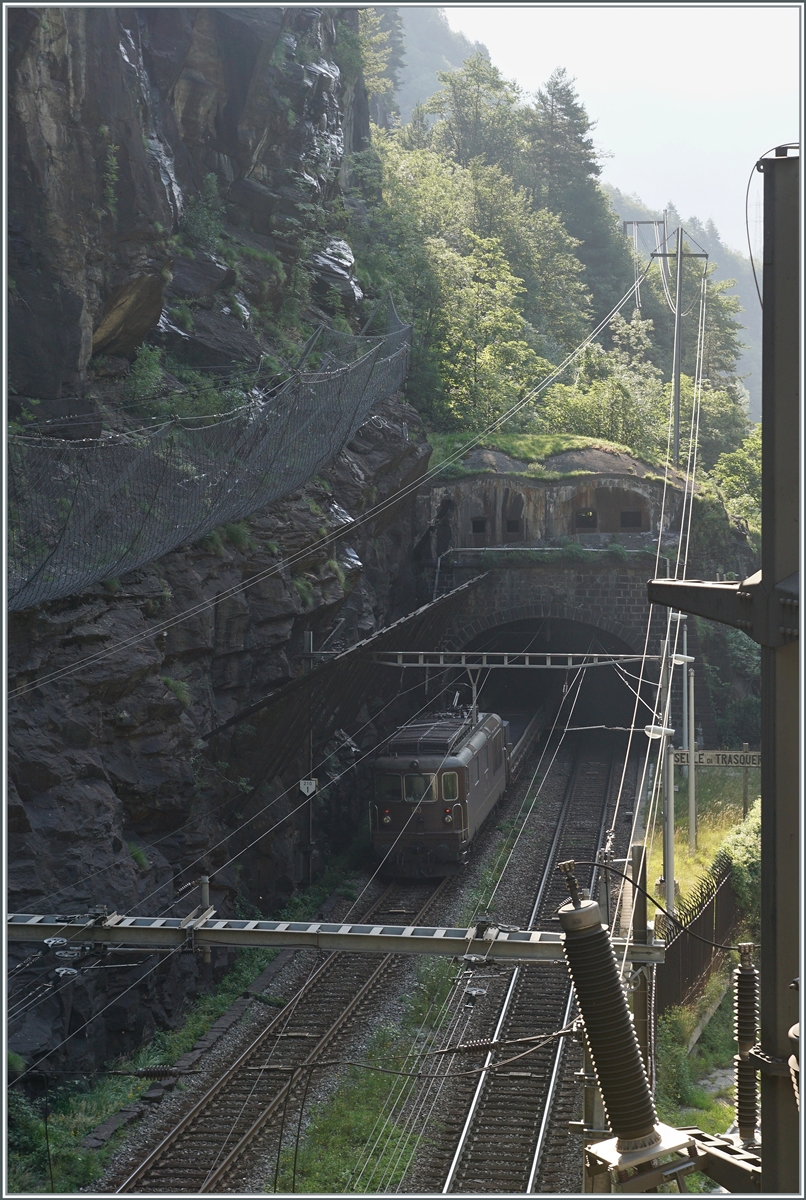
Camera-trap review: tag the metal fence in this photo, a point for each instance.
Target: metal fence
(82, 511)
(711, 913)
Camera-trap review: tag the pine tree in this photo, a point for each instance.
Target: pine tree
(559, 165)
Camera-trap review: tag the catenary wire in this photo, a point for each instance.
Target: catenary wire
(370, 514)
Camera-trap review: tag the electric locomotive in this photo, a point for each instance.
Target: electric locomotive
(433, 786)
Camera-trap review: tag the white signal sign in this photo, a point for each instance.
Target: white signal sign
(308, 786)
(719, 758)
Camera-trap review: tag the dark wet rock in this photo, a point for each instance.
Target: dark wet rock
(217, 339)
(199, 278)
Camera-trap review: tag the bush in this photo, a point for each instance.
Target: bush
(180, 689)
(139, 856)
(201, 223)
(145, 376)
(304, 590)
(743, 848)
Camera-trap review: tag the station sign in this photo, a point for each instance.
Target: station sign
(719, 758)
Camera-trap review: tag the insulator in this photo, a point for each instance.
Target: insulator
(609, 1031)
(745, 1006)
(746, 1098)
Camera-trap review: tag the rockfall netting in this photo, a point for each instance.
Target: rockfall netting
(82, 511)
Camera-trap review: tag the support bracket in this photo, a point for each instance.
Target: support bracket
(767, 615)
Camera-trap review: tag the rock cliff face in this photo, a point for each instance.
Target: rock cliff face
(118, 119)
(112, 798)
(116, 116)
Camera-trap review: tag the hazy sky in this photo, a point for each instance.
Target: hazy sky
(685, 97)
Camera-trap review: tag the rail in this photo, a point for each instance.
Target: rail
(211, 1141)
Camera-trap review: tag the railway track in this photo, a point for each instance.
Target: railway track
(494, 1141)
(211, 1145)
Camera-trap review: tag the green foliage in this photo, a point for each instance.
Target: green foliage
(111, 175)
(375, 50)
(182, 316)
(146, 374)
(478, 114)
(679, 1097)
(674, 1083)
(201, 226)
(743, 848)
(342, 1127)
(337, 570)
(16, 1063)
(430, 47)
(304, 590)
(733, 670)
(214, 544)
(237, 534)
(180, 689)
(533, 447)
(616, 394)
(139, 857)
(77, 1108)
(347, 52)
(738, 473)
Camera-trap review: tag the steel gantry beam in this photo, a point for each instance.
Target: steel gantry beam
(481, 659)
(205, 930)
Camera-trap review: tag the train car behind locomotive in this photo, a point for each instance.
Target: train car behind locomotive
(433, 787)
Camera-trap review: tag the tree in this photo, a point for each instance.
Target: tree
(477, 110)
(431, 46)
(738, 473)
(723, 422)
(558, 163)
(487, 366)
(616, 395)
(373, 39)
(382, 45)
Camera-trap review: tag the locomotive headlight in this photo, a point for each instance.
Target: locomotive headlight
(386, 818)
(447, 819)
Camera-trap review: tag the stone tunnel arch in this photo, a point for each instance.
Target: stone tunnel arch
(461, 637)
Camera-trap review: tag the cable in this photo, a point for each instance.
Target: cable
(328, 540)
(95, 1017)
(675, 920)
(216, 808)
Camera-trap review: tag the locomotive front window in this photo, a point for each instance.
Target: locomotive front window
(450, 786)
(388, 789)
(419, 788)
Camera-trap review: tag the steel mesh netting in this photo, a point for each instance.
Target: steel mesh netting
(83, 511)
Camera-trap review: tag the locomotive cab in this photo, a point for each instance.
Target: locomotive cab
(433, 788)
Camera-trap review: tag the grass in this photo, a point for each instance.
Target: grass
(342, 1127)
(343, 1131)
(719, 810)
(533, 448)
(78, 1106)
(680, 1096)
(304, 590)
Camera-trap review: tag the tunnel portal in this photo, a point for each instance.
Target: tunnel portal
(606, 697)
